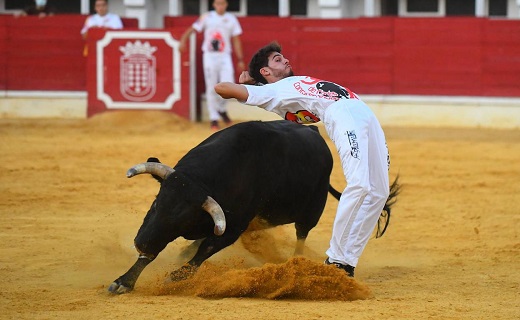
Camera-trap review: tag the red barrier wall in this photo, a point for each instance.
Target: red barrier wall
(43, 53)
(431, 57)
(500, 58)
(3, 53)
(416, 56)
(357, 53)
(413, 56)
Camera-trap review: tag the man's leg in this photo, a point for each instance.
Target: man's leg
(211, 78)
(362, 148)
(370, 210)
(226, 74)
(349, 131)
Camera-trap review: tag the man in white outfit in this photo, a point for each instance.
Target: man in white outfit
(350, 124)
(221, 36)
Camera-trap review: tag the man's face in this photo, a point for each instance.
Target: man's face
(220, 6)
(101, 7)
(278, 66)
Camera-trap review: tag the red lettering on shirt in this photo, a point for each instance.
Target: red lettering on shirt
(301, 116)
(311, 80)
(299, 88)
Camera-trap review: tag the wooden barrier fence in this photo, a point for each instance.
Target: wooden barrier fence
(395, 56)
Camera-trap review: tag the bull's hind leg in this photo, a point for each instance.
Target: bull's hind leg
(301, 236)
(309, 218)
(304, 227)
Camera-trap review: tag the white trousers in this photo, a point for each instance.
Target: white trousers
(362, 148)
(218, 67)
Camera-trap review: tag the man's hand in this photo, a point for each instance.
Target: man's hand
(182, 46)
(241, 66)
(245, 78)
(184, 38)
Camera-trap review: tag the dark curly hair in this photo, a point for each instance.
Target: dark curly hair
(261, 59)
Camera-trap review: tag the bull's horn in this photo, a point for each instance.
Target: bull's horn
(154, 168)
(213, 208)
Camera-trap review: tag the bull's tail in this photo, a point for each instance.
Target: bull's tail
(335, 193)
(384, 218)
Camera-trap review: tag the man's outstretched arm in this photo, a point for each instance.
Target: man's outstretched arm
(229, 90)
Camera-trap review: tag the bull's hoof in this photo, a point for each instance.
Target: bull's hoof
(117, 288)
(183, 273)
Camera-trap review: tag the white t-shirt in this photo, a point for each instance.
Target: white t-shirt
(300, 99)
(109, 21)
(218, 31)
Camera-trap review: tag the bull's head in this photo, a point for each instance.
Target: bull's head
(163, 171)
(157, 223)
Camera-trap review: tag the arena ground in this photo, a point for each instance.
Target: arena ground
(68, 216)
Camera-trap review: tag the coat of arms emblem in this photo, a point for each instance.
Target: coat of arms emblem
(138, 71)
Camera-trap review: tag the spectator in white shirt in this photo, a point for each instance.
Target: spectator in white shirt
(102, 19)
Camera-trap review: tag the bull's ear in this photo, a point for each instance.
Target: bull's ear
(156, 177)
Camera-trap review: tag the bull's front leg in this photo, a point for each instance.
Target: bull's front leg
(207, 248)
(126, 282)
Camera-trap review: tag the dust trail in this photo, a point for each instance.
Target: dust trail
(264, 245)
(298, 278)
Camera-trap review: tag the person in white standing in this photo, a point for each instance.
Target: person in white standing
(222, 32)
(102, 19)
(350, 124)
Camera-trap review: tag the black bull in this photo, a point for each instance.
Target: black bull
(276, 171)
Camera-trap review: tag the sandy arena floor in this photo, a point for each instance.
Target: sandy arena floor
(68, 216)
